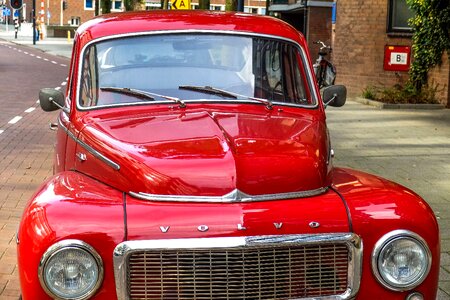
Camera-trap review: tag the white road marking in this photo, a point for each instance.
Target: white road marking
(32, 54)
(37, 101)
(15, 120)
(1, 131)
(25, 52)
(63, 65)
(57, 88)
(46, 59)
(54, 62)
(30, 109)
(63, 83)
(38, 56)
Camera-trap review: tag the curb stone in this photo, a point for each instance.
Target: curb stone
(382, 105)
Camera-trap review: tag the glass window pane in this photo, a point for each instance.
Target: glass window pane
(88, 4)
(400, 14)
(243, 65)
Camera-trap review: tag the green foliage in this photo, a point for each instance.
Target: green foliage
(106, 6)
(370, 93)
(132, 4)
(204, 4)
(431, 26)
(399, 94)
(231, 5)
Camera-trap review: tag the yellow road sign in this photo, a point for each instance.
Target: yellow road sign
(181, 4)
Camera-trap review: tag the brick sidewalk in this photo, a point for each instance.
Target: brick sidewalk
(26, 157)
(411, 147)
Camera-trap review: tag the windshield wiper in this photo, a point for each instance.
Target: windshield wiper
(223, 93)
(127, 91)
(208, 90)
(141, 94)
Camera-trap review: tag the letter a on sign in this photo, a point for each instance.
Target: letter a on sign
(181, 4)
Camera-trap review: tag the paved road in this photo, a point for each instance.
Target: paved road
(26, 144)
(23, 71)
(411, 147)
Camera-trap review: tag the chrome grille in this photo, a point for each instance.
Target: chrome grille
(255, 268)
(266, 273)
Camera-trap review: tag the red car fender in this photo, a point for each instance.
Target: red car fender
(378, 206)
(69, 206)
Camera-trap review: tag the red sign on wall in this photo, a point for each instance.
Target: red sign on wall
(397, 58)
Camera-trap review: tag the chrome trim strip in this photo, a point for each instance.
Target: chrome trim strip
(389, 237)
(310, 80)
(55, 248)
(88, 148)
(235, 196)
(124, 250)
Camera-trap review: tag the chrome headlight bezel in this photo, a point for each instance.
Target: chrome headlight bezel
(64, 245)
(395, 236)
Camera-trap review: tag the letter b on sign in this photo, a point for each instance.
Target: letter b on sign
(398, 58)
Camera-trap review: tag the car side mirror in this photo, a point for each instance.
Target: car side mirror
(334, 95)
(51, 99)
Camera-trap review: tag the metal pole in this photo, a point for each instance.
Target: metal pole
(33, 14)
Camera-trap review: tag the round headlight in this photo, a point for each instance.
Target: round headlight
(401, 260)
(70, 269)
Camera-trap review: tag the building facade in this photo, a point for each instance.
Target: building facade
(364, 31)
(312, 18)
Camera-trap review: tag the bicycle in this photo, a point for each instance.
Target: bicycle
(324, 70)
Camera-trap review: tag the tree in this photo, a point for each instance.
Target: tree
(106, 6)
(204, 4)
(131, 5)
(231, 5)
(431, 26)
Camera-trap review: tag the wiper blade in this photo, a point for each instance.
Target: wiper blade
(224, 93)
(142, 94)
(208, 90)
(127, 91)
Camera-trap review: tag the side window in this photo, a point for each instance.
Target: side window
(89, 78)
(282, 76)
(273, 68)
(300, 95)
(398, 16)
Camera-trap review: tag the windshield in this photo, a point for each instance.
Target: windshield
(205, 67)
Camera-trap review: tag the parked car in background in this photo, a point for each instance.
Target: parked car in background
(193, 161)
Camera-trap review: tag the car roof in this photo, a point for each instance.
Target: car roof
(175, 20)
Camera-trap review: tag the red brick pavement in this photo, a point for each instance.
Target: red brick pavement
(26, 157)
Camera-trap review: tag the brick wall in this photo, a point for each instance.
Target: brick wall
(75, 8)
(359, 41)
(440, 76)
(319, 28)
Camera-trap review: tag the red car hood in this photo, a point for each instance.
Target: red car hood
(210, 152)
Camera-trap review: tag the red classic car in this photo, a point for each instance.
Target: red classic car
(193, 161)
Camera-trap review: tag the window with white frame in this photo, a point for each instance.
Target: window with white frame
(117, 5)
(75, 21)
(88, 4)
